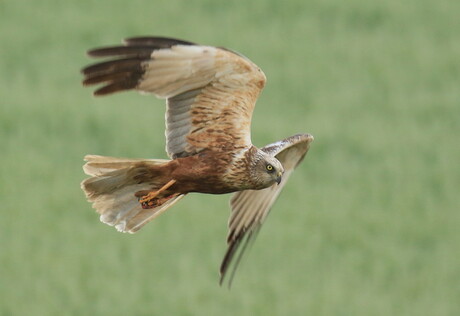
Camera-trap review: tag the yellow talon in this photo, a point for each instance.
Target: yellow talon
(153, 194)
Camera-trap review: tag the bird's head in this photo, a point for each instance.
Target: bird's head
(267, 170)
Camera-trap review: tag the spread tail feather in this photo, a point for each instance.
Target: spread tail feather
(113, 186)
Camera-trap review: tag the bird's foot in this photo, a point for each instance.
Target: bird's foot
(156, 202)
(151, 200)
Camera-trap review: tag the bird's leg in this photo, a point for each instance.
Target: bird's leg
(147, 200)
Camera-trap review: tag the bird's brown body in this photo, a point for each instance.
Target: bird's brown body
(213, 172)
(203, 173)
(210, 94)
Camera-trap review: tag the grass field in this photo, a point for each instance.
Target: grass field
(368, 225)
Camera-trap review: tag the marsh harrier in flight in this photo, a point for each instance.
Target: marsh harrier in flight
(210, 94)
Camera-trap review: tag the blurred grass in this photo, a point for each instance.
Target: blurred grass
(367, 226)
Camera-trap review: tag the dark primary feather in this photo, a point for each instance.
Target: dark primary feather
(125, 64)
(125, 70)
(156, 41)
(129, 51)
(234, 247)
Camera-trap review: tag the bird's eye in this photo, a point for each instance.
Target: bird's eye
(270, 168)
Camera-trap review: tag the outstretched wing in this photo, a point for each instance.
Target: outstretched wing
(211, 92)
(251, 207)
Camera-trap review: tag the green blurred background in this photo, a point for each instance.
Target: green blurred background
(368, 225)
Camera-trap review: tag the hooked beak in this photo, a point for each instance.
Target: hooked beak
(278, 178)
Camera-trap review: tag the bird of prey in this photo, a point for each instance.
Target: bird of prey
(210, 94)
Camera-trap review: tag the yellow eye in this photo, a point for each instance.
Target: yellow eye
(269, 167)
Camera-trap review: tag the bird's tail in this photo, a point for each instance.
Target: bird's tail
(119, 190)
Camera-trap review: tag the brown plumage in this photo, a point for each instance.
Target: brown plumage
(210, 93)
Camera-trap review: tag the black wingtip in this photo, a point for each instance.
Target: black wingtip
(232, 248)
(156, 41)
(114, 87)
(125, 69)
(125, 51)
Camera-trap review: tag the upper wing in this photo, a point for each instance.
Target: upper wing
(211, 92)
(251, 207)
